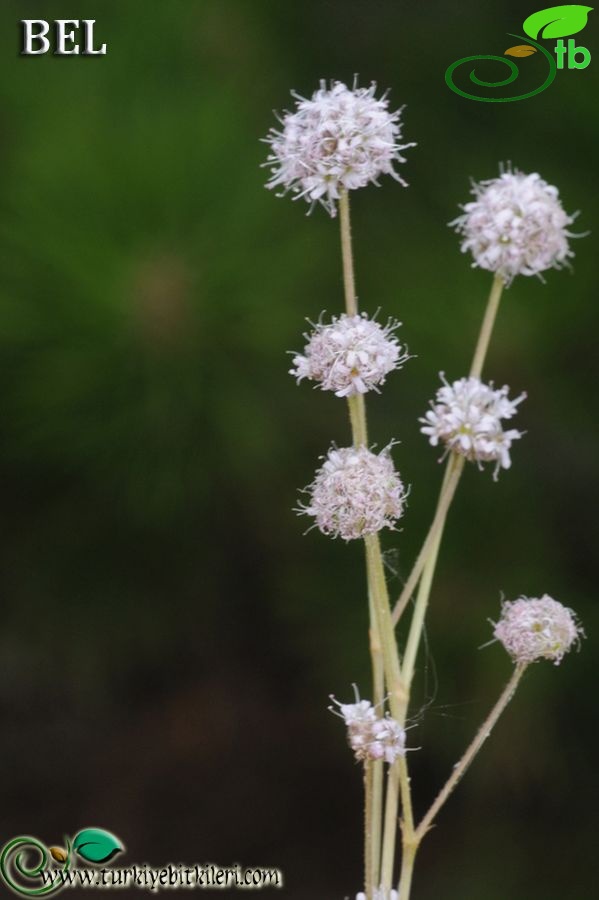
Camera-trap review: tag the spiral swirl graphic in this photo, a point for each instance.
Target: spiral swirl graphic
(13, 865)
(514, 72)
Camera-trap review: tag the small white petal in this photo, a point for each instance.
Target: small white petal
(338, 139)
(516, 226)
(466, 416)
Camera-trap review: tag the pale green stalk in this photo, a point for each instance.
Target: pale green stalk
(390, 832)
(412, 843)
(427, 561)
(368, 836)
(448, 488)
(373, 780)
(375, 820)
(486, 330)
(481, 736)
(455, 466)
(351, 301)
(397, 700)
(448, 491)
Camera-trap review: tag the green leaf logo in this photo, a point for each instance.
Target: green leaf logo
(95, 845)
(557, 21)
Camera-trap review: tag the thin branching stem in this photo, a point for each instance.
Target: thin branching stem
(481, 736)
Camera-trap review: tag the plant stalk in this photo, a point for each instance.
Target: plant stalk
(481, 736)
(486, 330)
(351, 302)
(380, 651)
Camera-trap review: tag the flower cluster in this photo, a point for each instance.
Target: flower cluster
(537, 628)
(351, 355)
(371, 736)
(515, 226)
(355, 493)
(340, 139)
(466, 417)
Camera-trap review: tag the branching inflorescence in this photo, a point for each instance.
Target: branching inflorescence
(340, 140)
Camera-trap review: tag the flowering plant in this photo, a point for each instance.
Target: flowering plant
(340, 140)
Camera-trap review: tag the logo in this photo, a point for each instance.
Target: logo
(30, 869)
(556, 22)
(21, 875)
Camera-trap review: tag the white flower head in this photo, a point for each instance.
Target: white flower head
(339, 139)
(355, 492)
(516, 225)
(537, 628)
(371, 736)
(388, 740)
(351, 355)
(466, 416)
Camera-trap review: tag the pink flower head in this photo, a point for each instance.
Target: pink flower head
(339, 139)
(537, 628)
(351, 355)
(355, 493)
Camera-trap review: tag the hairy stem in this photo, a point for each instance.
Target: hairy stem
(390, 832)
(454, 470)
(357, 418)
(481, 736)
(380, 596)
(351, 302)
(368, 855)
(377, 595)
(378, 681)
(448, 491)
(427, 558)
(407, 870)
(486, 330)
(413, 838)
(448, 488)
(397, 699)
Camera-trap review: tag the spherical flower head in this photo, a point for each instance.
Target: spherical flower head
(369, 735)
(516, 225)
(351, 355)
(355, 493)
(537, 628)
(466, 417)
(340, 139)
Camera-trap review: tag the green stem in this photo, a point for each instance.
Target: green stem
(349, 284)
(408, 857)
(390, 832)
(397, 698)
(380, 596)
(427, 558)
(413, 838)
(486, 330)
(378, 681)
(454, 470)
(368, 873)
(481, 736)
(373, 812)
(448, 488)
(357, 418)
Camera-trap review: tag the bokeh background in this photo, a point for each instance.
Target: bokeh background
(169, 638)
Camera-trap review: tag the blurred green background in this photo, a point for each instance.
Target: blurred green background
(169, 638)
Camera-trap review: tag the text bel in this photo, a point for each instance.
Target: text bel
(68, 37)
